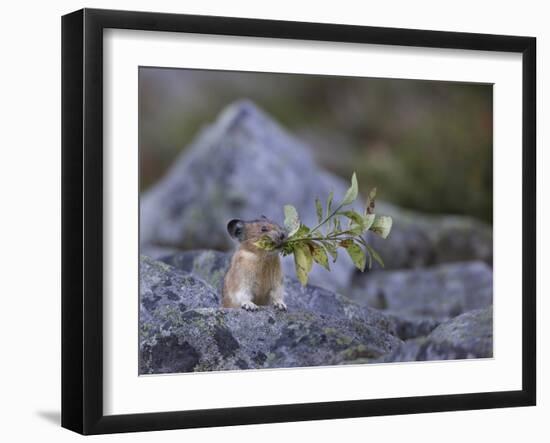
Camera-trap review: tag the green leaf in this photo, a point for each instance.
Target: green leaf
(313, 245)
(265, 243)
(370, 259)
(368, 220)
(382, 226)
(374, 255)
(319, 255)
(329, 203)
(332, 249)
(287, 248)
(353, 216)
(357, 255)
(369, 206)
(292, 221)
(302, 262)
(355, 229)
(351, 193)
(361, 222)
(302, 232)
(319, 209)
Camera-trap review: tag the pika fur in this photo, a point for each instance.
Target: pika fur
(255, 276)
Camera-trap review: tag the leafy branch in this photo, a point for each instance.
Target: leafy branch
(310, 245)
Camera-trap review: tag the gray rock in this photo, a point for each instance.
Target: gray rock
(211, 266)
(245, 165)
(413, 327)
(469, 335)
(418, 240)
(182, 328)
(472, 331)
(213, 339)
(422, 349)
(161, 286)
(436, 293)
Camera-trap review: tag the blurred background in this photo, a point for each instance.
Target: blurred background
(426, 144)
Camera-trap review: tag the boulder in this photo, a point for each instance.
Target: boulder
(472, 331)
(469, 335)
(214, 339)
(422, 349)
(418, 239)
(163, 287)
(211, 266)
(182, 327)
(413, 327)
(436, 293)
(245, 165)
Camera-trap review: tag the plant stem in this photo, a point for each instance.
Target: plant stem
(329, 237)
(327, 218)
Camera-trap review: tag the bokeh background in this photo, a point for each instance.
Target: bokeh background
(426, 145)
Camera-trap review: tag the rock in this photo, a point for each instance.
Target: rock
(213, 339)
(412, 327)
(469, 335)
(472, 331)
(436, 293)
(422, 349)
(182, 328)
(161, 286)
(418, 240)
(245, 165)
(211, 266)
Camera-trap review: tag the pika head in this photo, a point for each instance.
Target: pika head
(249, 232)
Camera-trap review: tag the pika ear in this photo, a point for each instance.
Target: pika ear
(236, 229)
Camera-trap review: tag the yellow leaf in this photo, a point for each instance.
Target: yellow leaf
(303, 262)
(319, 255)
(357, 256)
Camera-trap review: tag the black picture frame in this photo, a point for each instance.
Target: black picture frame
(82, 220)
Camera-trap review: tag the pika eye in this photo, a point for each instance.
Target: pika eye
(264, 229)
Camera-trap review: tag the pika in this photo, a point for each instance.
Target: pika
(255, 276)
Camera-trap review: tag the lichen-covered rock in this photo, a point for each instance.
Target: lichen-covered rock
(211, 266)
(162, 287)
(213, 339)
(245, 165)
(436, 293)
(182, 327)
(469, 335)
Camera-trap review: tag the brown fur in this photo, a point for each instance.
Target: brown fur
(255, 276)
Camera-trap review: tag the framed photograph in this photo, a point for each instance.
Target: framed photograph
(268, 221)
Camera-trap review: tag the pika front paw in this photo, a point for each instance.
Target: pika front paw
(280, 305)
(249, 306)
